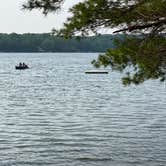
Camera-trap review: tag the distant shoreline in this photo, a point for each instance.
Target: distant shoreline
(42, 43)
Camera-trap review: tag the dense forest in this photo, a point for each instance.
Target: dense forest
(47, 43)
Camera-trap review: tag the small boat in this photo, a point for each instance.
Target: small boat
(21, 67)
(96, 72)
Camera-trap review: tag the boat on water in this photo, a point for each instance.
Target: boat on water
(21, 66)
(96, 72)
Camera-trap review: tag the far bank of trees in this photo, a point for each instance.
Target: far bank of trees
(47, 43)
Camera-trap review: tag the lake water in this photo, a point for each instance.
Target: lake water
(54, 114)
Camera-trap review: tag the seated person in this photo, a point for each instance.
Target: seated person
(20, 64)
(24, 65)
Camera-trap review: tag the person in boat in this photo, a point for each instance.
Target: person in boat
(20, 64)
(24, 65)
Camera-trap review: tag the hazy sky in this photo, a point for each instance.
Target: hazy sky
(13, 19)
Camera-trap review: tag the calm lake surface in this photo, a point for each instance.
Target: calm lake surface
(54, 114)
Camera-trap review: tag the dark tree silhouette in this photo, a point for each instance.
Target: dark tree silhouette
(145, 20)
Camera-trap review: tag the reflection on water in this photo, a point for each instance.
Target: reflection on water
(54, 114)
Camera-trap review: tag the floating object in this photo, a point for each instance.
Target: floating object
(96, 72)
(21, 67)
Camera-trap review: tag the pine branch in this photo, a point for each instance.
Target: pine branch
(139, 27)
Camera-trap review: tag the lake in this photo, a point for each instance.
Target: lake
(55, 114)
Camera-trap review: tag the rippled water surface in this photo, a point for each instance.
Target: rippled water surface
(54, 114)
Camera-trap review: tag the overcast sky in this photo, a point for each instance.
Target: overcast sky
(13, 19)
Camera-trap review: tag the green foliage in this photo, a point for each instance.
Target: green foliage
(144, 52)
(45, 5)
(48, 43)
(143, 55)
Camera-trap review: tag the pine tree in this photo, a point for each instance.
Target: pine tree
(143, 23)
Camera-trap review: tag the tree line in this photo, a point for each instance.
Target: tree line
(48, 43)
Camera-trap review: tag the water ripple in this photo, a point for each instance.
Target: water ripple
(54, 114)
